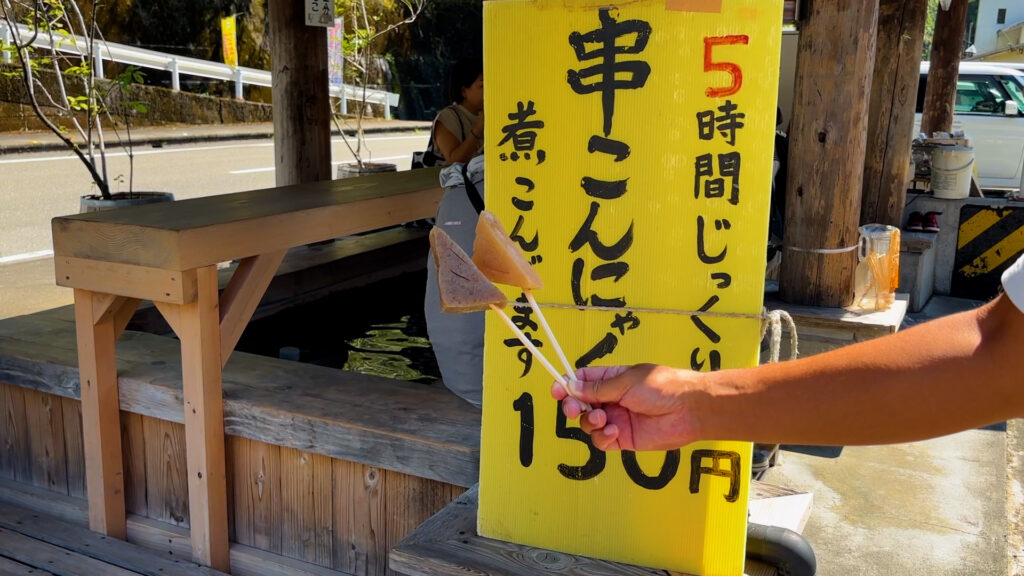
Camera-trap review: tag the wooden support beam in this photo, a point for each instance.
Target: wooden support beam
(947, 46)
(125, 310)
(199, 327)
(171, 314)
(891, 118)
(101, 421)
(302, 107)
(103, 306)
(125, 280)
(242, 295)
(835, 59)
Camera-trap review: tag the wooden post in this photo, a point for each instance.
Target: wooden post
(891, 117)
(101, 416)
(835, 59)
(947, 45)
(302, 107)
(199, 323)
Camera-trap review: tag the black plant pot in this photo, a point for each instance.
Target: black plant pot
(353, 170)
(95, 202)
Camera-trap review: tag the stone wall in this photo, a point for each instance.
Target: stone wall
(163, 106)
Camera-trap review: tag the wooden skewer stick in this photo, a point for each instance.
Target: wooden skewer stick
(536, 353)
(551, 335)
(529, 346)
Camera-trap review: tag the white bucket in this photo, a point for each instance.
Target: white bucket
(951, 172)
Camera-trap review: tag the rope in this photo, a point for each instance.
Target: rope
(771, 322)
(824, 250)
(773, 326)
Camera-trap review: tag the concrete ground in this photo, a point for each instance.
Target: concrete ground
(949, 506)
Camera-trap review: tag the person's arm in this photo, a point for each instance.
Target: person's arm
(452, 148)
(951, 374)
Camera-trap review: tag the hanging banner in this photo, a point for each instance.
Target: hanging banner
(335, 56)
(320, 13)
(630, 157)
(229, 41)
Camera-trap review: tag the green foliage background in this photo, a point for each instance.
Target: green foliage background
(419, 54)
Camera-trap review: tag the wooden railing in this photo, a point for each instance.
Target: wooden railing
(168, 253)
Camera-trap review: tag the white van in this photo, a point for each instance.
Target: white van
(989, 108)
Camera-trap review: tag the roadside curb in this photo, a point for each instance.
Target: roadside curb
(158, 141)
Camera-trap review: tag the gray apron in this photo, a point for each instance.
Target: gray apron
(457, 339)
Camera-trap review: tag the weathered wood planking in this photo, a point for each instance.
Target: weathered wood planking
(167, 540)
(420, 430)
(45, 419)
(133, 444)
(263, 483)
(447, 545)
(73, 448)
(79, 540)
(15, 459)
(240, 513)
(12, 568)
(165, 487)
(307, 520)
(359, 519)
(39, 554)
(200, 232)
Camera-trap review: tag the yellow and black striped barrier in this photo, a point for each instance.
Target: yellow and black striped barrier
(989, 239)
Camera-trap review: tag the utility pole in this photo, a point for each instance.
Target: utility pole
(302, 107)
(893, 103)
(835, 61)
(947, 46)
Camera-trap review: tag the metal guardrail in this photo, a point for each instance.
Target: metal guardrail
(178, 65)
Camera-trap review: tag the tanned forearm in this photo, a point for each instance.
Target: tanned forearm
(955, 373)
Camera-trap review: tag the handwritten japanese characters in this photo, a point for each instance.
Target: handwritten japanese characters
(633, 169)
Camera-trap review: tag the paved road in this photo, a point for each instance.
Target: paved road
(37, 187)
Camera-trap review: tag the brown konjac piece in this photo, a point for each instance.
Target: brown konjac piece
(461, 285)
(498, 257)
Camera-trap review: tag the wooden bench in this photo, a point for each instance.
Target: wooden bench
(448, 544)
(168, 253)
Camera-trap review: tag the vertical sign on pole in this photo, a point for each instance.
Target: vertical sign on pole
(229, 40)
(630, 156)
(335, 57)
(320, 13)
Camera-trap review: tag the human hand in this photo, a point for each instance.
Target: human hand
(642, 407)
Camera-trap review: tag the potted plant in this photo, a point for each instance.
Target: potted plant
(55, 50)
(361, 57)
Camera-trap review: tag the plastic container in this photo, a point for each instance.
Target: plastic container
(951, 171)
(878, 268)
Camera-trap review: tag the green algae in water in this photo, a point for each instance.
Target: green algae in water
(385, 351)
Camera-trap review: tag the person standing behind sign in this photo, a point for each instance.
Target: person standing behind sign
(458, 131)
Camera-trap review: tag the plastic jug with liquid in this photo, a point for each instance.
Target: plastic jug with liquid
(878, 268)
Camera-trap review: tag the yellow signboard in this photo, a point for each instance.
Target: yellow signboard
(229, 41)
(630, 157)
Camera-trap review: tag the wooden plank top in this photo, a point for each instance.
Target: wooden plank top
(448, 545)
(202, 231)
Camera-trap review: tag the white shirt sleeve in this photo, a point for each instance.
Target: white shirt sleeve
(1013, 283)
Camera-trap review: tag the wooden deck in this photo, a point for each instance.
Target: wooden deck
(41, 545)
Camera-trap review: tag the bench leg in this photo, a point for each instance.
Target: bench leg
(101, 420)
(199, 323)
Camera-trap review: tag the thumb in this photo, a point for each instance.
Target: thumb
(609, 389)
